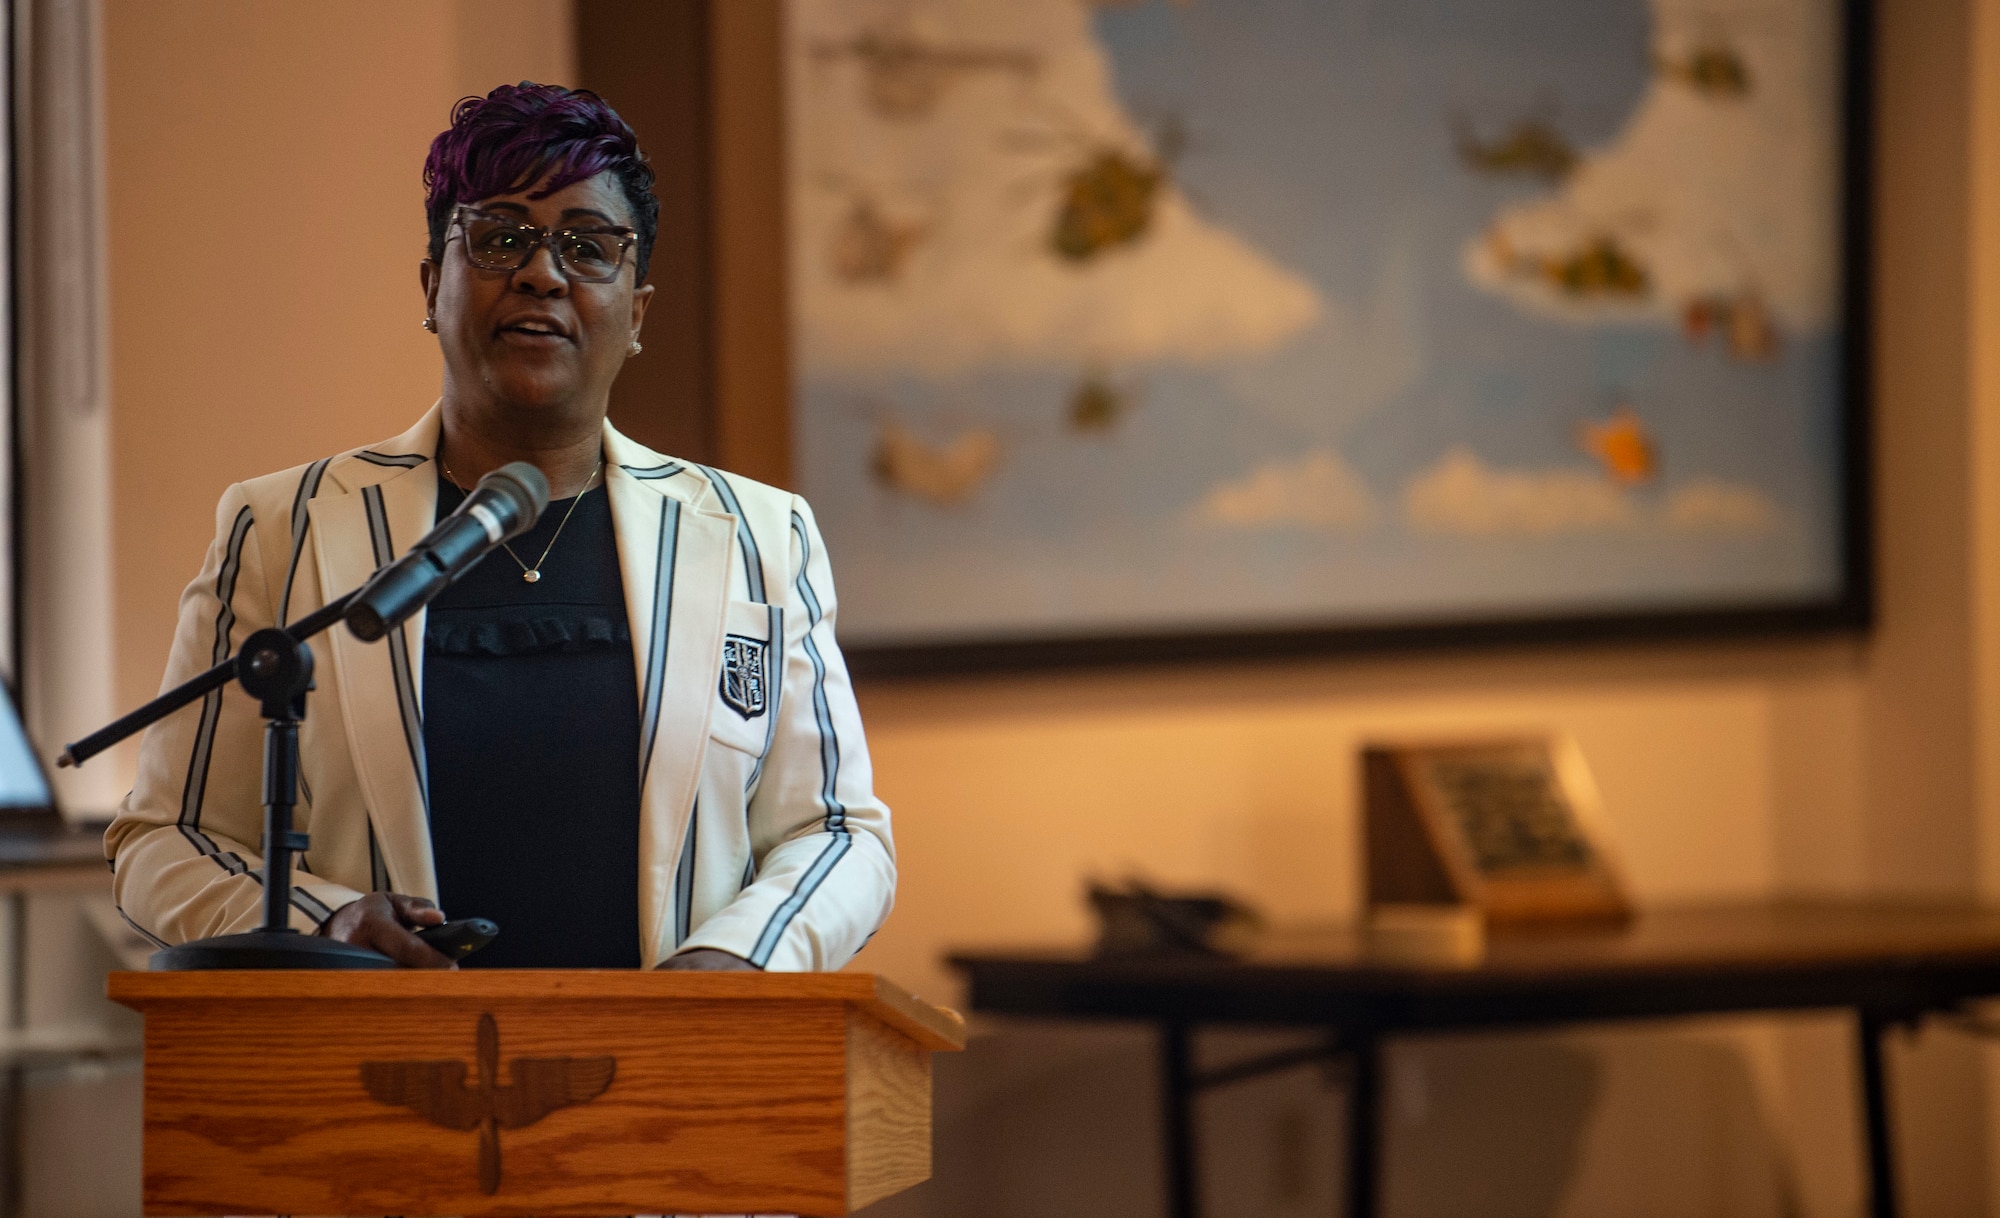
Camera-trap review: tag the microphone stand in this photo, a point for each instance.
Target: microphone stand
(275, 667)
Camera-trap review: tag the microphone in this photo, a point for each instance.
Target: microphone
(504, 505)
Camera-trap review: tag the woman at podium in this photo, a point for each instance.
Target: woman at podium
(628, 737)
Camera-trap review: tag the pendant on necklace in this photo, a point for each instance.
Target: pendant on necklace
(531, 577)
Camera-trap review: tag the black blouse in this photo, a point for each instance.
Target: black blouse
(531, 731)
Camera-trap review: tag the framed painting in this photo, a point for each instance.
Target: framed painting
(1174, 328)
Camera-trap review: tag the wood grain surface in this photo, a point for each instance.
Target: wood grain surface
(732, 1092)
(938, 1028)
(888, 1111)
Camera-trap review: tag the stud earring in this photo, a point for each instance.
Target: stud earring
(636, 348)
(431, 324)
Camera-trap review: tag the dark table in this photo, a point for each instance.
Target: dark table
(1890, 963)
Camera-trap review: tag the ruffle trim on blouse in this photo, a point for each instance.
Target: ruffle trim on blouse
(525, 636)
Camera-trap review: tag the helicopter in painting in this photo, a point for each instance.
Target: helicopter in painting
(1622, 445)
(1713, 68)
(1532, 147)
(905, 74)
(1107, 194)
(873, 241)
(941, 474)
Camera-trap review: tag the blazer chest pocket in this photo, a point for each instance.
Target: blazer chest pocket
(749, 678)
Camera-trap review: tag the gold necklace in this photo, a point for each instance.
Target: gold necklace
(533, 575)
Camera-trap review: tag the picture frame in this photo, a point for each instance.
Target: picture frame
(863, 534)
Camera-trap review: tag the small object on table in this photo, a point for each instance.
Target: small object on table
(1410, 933)
(1136, 920)
(460, 939)
(1508, 827)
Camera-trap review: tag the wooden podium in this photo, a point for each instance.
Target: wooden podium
(532, 1092)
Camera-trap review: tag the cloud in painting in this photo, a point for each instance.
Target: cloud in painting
(1317, 491)
(969, 192)
(1717, 199)
(1461, 495)
(1710, 506)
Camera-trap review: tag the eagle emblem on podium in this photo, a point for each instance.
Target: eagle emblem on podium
(439, 1092)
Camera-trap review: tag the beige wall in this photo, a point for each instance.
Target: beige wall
(266, 208)
(239, 129)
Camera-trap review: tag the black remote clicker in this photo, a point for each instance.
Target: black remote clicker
(460, 939)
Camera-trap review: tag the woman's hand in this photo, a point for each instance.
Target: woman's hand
(382, 921)
(708, 960)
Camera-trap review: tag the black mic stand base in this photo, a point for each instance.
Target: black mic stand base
(263, 949)
(275, 667)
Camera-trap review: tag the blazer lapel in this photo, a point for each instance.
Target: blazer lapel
(382, 683)
(674, 558)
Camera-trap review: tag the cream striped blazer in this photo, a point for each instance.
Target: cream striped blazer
(760, 833)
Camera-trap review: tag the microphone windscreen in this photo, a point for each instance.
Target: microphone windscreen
(526, 486)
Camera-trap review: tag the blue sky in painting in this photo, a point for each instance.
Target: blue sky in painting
(1321, 132)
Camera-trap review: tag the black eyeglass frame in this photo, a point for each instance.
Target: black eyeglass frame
(536, 238)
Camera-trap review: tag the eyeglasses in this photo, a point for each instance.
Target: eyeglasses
(500, 243)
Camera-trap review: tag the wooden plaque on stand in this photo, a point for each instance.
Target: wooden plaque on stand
(515, 1092)
(1507, 827)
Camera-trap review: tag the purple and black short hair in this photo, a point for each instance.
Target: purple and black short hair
(521, 134)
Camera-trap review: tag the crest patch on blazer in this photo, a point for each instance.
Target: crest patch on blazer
(743, 674)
